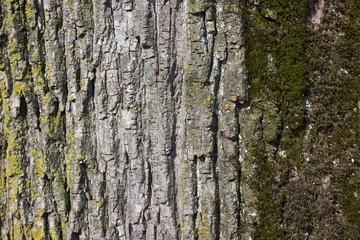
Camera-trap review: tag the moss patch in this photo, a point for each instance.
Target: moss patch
(276, 35)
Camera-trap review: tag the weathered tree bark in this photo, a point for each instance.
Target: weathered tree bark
(179, 119)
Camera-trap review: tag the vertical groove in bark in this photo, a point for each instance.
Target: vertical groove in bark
(214, 153)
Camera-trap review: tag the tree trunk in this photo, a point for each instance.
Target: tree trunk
(179, 119)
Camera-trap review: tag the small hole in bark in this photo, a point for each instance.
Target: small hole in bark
(23, 107)
(75, 236)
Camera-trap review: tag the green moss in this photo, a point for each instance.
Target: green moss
(350, 201)
(200, 6)
(347, 133)
(275, 36)
(285, 57)
(62, 194)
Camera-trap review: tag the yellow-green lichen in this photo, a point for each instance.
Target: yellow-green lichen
(203, 230)
(200, 6)
(39, 163)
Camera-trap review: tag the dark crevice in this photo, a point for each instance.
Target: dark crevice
(111, 31)
(105, 222)
(107, 4)
(150, 180)
(130, 231)
(149, 196)
(54, 108)
(40, 21)
(211, 62)
(156, 33)
(23, 107)
(171, 32)
(214, 153)
(84, 181)
(109, 18)
(173, 191)
(155, 232)
(75, 236)
(46, 225)
(37, 115)
(173, 153)
(127, 159)
(123, 194)
(238, 171)
(90, 91)
(77, 75)
(1, 22)
(104, 215)
(195, 196)
(66, 193)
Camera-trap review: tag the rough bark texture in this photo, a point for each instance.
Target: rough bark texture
(179, 119)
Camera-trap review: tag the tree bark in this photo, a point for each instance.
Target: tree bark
(179, 119)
